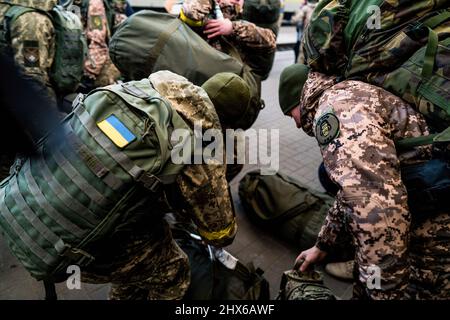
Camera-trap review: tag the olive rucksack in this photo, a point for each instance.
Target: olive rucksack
(115, 151)
(285, 207)
(407, 54)
(265, 14)
(70, 47)
(150, 41)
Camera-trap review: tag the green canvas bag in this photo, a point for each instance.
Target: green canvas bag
(150, 41)
(286, 206)
(70, 44)
(116, 144)
(303, 286)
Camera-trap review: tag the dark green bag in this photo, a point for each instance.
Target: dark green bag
(70, 47)
(150, 41)
(285, 206)
(215, 274)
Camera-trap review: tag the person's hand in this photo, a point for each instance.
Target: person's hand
(309, 257)
(216, 28)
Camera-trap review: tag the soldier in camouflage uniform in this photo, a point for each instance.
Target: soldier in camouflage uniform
(98, 68)
(356, 126)
(142, 260)
(33, 40)
(245, 36)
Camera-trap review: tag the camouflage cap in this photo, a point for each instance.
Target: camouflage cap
(291, 84)
(230, 95)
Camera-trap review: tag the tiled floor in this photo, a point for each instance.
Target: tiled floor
(299, 157)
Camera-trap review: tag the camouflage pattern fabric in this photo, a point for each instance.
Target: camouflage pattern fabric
(246, 36)
(372, 202)
(97, 33)
(203, 188)
(33, 40)
(338, 40)
(146, 266)
(304, 286)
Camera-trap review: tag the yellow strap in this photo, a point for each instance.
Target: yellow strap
(217, 235)
(189, 21)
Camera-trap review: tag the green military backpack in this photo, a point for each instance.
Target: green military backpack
(150, 41)
(115, 152)
(70, 48)
(406, 54)
(265, 14)
(284, 206)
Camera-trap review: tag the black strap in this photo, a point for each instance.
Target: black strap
(50, 291)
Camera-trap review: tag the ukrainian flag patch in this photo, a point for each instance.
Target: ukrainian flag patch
(116, 131)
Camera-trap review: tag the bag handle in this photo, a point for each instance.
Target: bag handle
(430, 54)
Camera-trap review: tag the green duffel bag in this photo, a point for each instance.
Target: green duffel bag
(116, 144)
(150, 41)
(284, 205)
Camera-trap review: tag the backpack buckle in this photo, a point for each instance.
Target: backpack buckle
(81, 257)
(150, 182)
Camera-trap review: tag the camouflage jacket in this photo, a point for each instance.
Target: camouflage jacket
(344, 37)
(100, 18)
(33, 39)
(357, 145)
(203, 188)
(246, 37)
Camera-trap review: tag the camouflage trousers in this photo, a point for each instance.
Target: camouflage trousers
(144, 268)
(429, 256)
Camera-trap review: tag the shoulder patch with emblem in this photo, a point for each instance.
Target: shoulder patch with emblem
(30, 53)
(96, 22)
(327, 128)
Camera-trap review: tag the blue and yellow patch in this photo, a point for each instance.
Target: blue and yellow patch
(116, 131)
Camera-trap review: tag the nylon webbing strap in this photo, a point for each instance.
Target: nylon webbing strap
(435, 21)
(32, 218)
(63, 195)
(410, 143)
(46, 206)
(430, 54)
(159, 45)
(22, 234)
(91, 161)
(148, 180)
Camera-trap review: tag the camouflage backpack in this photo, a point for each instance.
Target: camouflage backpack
(70, 47)
(265, 14)
(407, 53)
(303, 286)
(115, 153)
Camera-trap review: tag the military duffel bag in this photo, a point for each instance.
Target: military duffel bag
(69, 195)
(284, 205)
(150, 41)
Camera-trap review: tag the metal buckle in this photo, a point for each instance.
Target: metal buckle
(150, 182)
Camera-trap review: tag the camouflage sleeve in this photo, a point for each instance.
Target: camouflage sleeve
(331, 228)
(252, 36)
(33, 44)
(195, 12)
(362, 159)
(204, 189)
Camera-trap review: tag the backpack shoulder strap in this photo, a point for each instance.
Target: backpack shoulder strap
(11, 16)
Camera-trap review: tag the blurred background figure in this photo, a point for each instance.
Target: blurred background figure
(301, 20)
